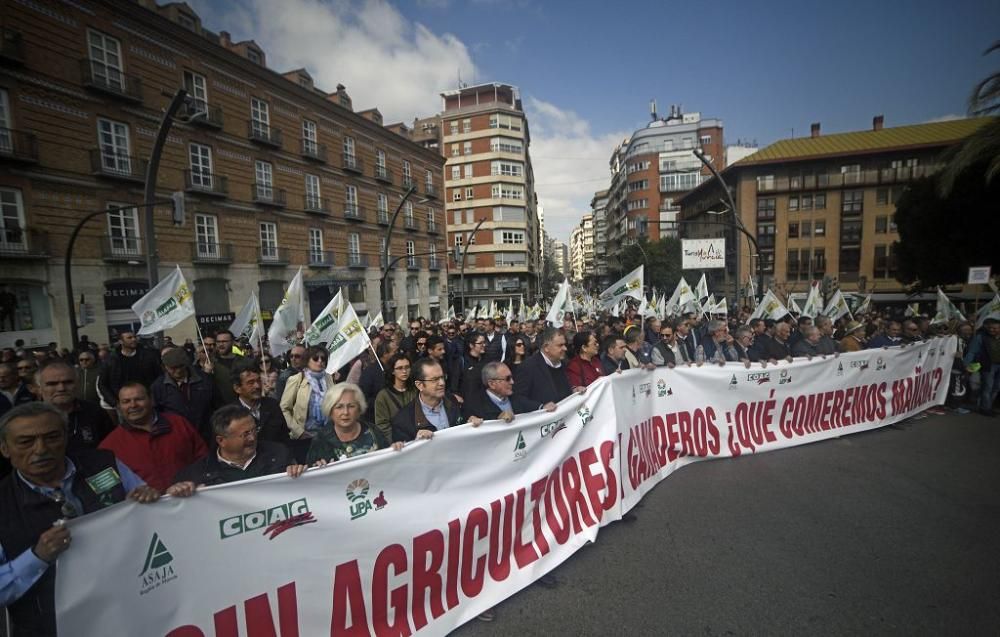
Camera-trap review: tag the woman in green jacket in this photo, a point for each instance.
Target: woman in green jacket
(397, 392)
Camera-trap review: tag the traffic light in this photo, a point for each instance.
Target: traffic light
(177, 212)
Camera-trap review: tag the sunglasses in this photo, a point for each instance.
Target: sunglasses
(321, 359)
(66, 508)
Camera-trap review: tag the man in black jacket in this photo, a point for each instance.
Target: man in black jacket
(131, 364)
(541, 378)
(184, 389)
(265, 411)
(239, 453)
(431, 410)
(87, 423)
(497, 401)
(777, 347)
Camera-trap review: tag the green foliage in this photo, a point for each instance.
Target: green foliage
(662, 259)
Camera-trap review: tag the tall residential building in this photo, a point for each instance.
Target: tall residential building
(600, 278)
(578, 263)
(822, 206)
(277, 174)
(652, 169)
(488, 178)
(560, 253)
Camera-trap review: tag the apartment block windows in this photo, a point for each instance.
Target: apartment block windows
(354, 245)
(206, 236)
(885, 262)
(197, 89)
(793, 231)
(268, 241)
(819, 229)
(12, 237)
(680, 182)
(315, 245)
(508, 213)
(505, 121)
(506, 145)
(508, 191)
(882, 196)
(6, 140)
(260, 118)
(428, 179)
(765, 182)
(705, 140)
(454, 150)
(407, 174)
(637, 204)
(105, 54)
(466, 125)
(351, 201)
(310, 138)
(765, 208)
(506, 168)
(467, 169)
(411, 250)
(805, 229)
(635, 186)
(123, 230)
(408, 217)
(453, 127)
(113, 138)
(383, 207)
(264, 174)
(852, 202)
(819, 201)
(456, 172)
(881, 224)
(201, 166)
(806, 202)
(793, 204)
(512, 236)
(467, 148)
(456, 194)
(313, 199)
(470, 193)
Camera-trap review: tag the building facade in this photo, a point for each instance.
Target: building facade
(600, 277)
(276, 174)
(821, 207)
(490, 185)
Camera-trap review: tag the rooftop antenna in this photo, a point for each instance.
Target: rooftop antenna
(652, 109)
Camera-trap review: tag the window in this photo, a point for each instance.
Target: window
(354, 244)
(635, 186)
(881, 224)
(351, 203)
(881, 196)
(466, 125)
(819, 201)
(186, 21)
(765, 208)
(793, 204)
(453, 128)
(508, 213)
(679, 182)
(819, 229)
(6, 142)
(268, 241)
(459, 240)
(260, 118)
(819, 262)
(105, 60)
(506, 168)
(123, 230)
(313, 199)
(408, 214)
(456, 172)
(432, 285)
(806, 202)
(316, 245)
(792, 264)
(206, 236)
(505, 121)
(197, 89)
(12, 225)
(892, 223)
(852, 202)
(850, 260)
(470, 193)
(470, 216)
(407, 174)
(383, 206)
(456, 194)
(254, 56)
(805, 228)
(411, 250)
(767, 261)
(265, 183)
(349, 148)
(468, 170)
(114, 143)
(885, 262)
(506, 145)
(793, 231)
(850, 231)
(511, 259)
(310, 138)
(705, 140)
(765, 182)
(512, 236)
(467, 148)
(431, 222)
(380, 160)
(637, 204)
(508, 191)
(201, 166)
(454, 150)
(428, 178)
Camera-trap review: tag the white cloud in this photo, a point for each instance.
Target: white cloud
(383, 59)
(570, 163)
(945, 118)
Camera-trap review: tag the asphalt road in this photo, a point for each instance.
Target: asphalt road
(890, 532)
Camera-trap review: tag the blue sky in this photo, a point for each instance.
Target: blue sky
(587, 70)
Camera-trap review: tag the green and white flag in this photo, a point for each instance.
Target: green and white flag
(376, 322)
(770, 307)
(326, 324)
(247, 323)
(701, 291)
(628, 285)
(287, 318)
(560, 305)
(166, 305)
(913, 309)
(681, 297)
(990, 310)
(837, 307)
(722, 307)
(349, 340)
(865, 307)
(814, 303)
(794, 307)
(946, 310)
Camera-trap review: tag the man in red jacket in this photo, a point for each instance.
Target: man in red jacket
(154, 445)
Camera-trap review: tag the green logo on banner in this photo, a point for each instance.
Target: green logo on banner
(158, 568)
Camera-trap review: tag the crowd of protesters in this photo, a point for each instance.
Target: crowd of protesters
(149, 421)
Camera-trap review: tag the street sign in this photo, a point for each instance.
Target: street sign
(979, 275)
(703, 254)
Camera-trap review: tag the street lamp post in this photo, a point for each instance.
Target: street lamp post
(388, 247)
(465, 255)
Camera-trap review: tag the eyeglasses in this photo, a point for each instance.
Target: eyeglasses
(436, 379)
(421, 343)
(670, 335)
(66, 508)
(402, 368)
(250, 433)
(480, 343)
(505, 379)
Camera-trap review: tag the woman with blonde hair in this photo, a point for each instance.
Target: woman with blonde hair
(344, 435)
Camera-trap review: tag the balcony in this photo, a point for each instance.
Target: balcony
(11, 46)
(16, 243)
(130, 250)
(382, 217)
(19, 146)
(312, 150)
(868, 177)
(211, 253)
(352, 163)
(430, 191)
(357, 260)
(272, 256)
(314, 204)
(354, 212)
(383, 174)
(320, 258)
(268, 195)
(104, 163)
(106, 79)
(433, 263)
(201, 114)
(432, 227)
(204, 183)
(410, 223)
(263, 133)
(413, 263)
(408, 183)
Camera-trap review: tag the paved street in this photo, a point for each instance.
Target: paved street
(890, 532)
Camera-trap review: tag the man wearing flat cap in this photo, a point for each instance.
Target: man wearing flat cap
(186, 390)
(854, 337)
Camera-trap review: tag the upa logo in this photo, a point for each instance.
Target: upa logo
(585, 416)
(552, 428)
(357, 494)
(662, 389)
(158, 568)
(879, 364)
(784, 377)
(733, 383)
(759, 377)
(520, 448)
(272, 522)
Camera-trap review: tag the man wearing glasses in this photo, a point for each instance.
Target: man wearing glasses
(431, 410)
(497, 401)
(296, 362)
(87, 373)
(668, 352)
(47, 487)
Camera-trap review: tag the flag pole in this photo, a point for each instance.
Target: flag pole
(376, 356)
(260, 335)
(201, 338)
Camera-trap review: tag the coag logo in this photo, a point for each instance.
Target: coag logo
(157, 568)
(646, 389)
(357, 493)
(274, 521)
(860, 365)
(552, 428)
(759, 377)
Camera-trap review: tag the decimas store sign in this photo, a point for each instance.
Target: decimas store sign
(425, 539)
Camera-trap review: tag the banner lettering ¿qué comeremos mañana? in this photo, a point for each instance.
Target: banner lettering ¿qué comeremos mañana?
(425, 539)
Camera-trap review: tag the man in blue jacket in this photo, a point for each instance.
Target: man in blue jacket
(985, 350)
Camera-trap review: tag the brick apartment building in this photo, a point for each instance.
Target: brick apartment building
(277, 173)
(822, 206)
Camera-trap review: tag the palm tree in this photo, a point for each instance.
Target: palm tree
(982, 147)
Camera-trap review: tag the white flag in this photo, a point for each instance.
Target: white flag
(722, 307)
(287, 318)
(560, 305)
(166, 305)
(913, 309)
(349, 340)
(770, 307)
(946, 310)
(814, 303)
(681, 297)
(628, 285)
(794, 307)
(247, 323)
(376, 322)
(510, 312)
(990, 310)
(837, 307)
(702, 290)
(709, 306)
(865, 306)
(326, 324)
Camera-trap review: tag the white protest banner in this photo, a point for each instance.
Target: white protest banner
(770, 307)
(287, 318)
(560, 305)
(166, 305)
(628, 285)
(247, 323)
(837, 307)
(464, 520)
(347, 341)
(702, 254)
(326, 323)
(701, 290)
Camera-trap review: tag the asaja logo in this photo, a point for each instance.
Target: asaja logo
(585, 416)
(158, 567)
(840, 369)
(552, 428)
(520, 447)
(733, 383)
(662, 389)
(759, 377)
(357, 493)
(274, 521)
(784, 377)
